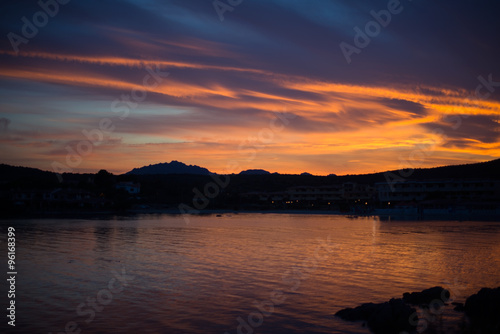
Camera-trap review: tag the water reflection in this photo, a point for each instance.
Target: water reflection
(102, 238)
(199, 278)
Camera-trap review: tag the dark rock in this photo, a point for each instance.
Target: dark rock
(459, 307)
(362, 312)
(427, 296)
(391, 317)
(483, 309)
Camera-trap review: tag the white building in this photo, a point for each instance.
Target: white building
(455, 190)
(130, 187)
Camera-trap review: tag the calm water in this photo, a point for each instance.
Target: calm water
(211, 274)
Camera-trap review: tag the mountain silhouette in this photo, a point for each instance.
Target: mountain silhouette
(254, 172)
(485, 170)
(174, 167)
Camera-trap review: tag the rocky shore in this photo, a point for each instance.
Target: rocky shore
(481, 313)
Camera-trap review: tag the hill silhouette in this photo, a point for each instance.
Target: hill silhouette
(174, 167)
(488, 169)
(254, 172)
(25, 175)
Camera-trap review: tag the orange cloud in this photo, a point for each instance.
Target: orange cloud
(333, 121)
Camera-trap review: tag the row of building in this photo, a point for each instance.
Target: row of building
(407, 197)
(439, 194)
(69, 197)
(329, 193)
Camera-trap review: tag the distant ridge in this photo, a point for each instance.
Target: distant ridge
(479, 170)
(254, 172)
(174, 167)
(10, 173)
(488, 169)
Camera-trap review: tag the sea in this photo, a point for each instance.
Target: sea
(235, 273)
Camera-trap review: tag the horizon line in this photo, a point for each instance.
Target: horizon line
(250, 169)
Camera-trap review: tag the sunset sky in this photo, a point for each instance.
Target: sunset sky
(121, 84)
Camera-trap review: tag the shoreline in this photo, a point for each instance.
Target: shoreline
(110, 214)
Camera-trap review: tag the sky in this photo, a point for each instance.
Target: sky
(289, 86)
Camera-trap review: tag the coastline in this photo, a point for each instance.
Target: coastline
(383, 216)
